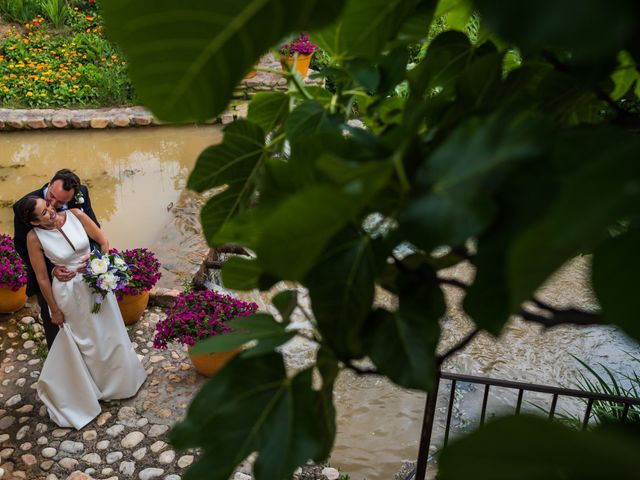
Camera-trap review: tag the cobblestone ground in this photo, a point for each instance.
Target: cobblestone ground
(127, 440)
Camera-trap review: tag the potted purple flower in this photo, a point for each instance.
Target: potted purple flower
(198, 315)
(133, 297)
(13, 277)
(299, 50)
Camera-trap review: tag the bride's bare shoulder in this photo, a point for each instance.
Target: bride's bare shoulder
(77, 212)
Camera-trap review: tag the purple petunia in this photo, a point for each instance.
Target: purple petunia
(301, 45)
(197, 315)
(13, 272)
(144, 268)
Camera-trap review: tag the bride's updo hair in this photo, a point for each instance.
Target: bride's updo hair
(27, 208)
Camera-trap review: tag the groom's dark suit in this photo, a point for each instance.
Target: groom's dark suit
(20, 233)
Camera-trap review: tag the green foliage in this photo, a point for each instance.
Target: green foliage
(510, 145)
(21, 11)
(57, 11)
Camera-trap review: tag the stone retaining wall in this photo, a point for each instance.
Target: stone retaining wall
(125, 117)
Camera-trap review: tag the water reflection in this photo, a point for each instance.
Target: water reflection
(136, 178)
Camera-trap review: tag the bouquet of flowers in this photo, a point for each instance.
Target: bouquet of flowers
(106, 272)
(301, 45)
(198, 315)
(13, 272)
(144, 269)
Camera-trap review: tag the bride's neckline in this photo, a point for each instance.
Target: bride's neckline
(64, 222)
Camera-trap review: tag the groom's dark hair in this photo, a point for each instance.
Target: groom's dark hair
(70, 181)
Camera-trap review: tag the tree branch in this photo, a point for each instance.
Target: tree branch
(459, 346)
(453, 282)
(569, 316)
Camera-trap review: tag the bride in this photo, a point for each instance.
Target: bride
(92, 357)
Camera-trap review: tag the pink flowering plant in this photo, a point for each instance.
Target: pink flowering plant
(144, 268)
(13, 272)
(199, 315)
(300, 45)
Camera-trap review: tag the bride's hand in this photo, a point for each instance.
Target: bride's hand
(62, 273)
(57, 318)
(83, 269)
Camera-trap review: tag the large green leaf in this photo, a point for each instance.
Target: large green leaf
(240, 273)
(568, 24)
(595, 195)
(522, 200)
(268, 110)
(624, 76)
(528, 448)
(460, 176)
(310, 117)
(365, 27)
(615, 268)
(457, 12)
(249, 406)
(233, 164)
(402, 345)
(187, 57)
(299, 228)
(259, 326)
(341, 287)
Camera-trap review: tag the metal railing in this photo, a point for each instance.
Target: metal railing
(590, 398)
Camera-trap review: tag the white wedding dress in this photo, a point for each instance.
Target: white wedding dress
(92, 357)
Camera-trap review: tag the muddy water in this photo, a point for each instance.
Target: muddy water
(136, 180)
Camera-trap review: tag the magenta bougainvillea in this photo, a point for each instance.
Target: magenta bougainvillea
(198, 315)
(301, 45)
(13, 272)
(144, 268)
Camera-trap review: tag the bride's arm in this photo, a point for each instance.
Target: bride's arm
(36, 258)
(92, 229)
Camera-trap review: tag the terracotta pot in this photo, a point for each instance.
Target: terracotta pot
(132, 307)
(209, 363)
(251, 74)
(302, 65)
(11, 301)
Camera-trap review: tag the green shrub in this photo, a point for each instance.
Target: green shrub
(21, 11)
(56, 11)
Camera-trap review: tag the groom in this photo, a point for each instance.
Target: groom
(64, 191)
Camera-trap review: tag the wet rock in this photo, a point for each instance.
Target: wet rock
(157, 446)
(121, 121)
(132, 439)
(185, 460)
(49, 452)
(103, 418)
(36, 123)
(102, 445)
(6, 422)
(72, 447)
(157, 430)
(140, 453)
(22, 432)
(29, 460)
(13, 400)
(21, 382)
(167, 456)
(115, 430)
(149, 473)
(99, 122)
(141, 120)
(113, 457)
(60, 121)
(80, 122)
(127, 416)
(68, 463)
(60, 432)
(52, 476)
(127, 468)
(92, 458)
(6, 453)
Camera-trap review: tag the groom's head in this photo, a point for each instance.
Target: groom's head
(62, 187)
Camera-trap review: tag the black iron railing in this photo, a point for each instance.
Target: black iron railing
(556, 392)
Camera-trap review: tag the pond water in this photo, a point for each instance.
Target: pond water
(137, 180)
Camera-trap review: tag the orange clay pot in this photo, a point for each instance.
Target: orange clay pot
(302, 65)
(11, 301)
(132, 307)
(208, 364)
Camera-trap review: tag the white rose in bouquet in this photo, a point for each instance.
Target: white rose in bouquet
(108, 281)
(99, 265)
(120, 264)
